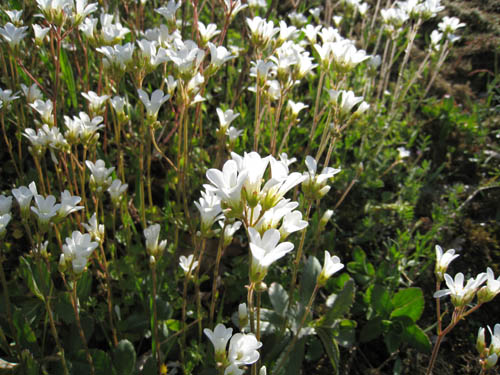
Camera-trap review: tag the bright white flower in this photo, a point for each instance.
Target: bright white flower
(218, 55)
(257, 4)
(13, 35)
(229, 231)
(187, 58)
(262, 32)
(228, 184)
(172, 84)
(207, 32)
(153, 106)
(210, 210)
(188, 264)
(332, 265)
(495, 339)
(261, 70)
(100, 178)
(234, 7)
(285, 160)
(40, 32)
(325, 219)
(394, 17)
(450, 24)
(96, 102)
(330, 35)
(118, 104)
(68, 204)
(152, 54)
(95, 229)
(243, 349)
(152, 235)
(429, 8)
(112, 33)
(77, 250)
(443, 261)
(169, 11)
(5, 204)
(233, 369)
(286, 32)
(491, 289)
(44, 108)
(242, 315)
(116, 190)
(346, 56)
(280, 183)
(226, 118)
(89, 27)
(298, 19)
(46, 208)
(219, 338)
(4, 221)
(82, 10)
(345, 101)
(311, 32)
(117, 56)
(255, 167)
(265, 250)
(23, 197)
(315, 12)
(15, 16)
(460, 295)
(7, 96)
(31, 93)
(292, 222)
(314, 186)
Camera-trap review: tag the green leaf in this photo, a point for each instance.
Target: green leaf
(101, 360)
(346, 336)
(331, 347)
(380, 300)
(341, 304)
(392, 341)
(372, 329)
(67, 76)
(84, 286)
(309, 278)
(124, 357)
(293, 362)
(27, 274)
(279, 298)
(408, 302)
(416, 337)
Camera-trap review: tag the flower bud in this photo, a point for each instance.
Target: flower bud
(243, 315)
(480, 343)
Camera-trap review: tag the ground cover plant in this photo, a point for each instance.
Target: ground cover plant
(242, 187)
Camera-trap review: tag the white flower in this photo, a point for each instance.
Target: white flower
(218, 55)
(314, 186)
(68, 204)
(187, 58)
(169, 11)
(44, 108)
(7, 96)
(460, 295)
(233, 369)
(96, 102)
(345, 101)
(298, 19)
(82, 10)
(243, 349)
(443, 261)
(265, 251)
(88, 27)
(292, 222)
(207, 32)
(219, 338)
(4, 221)
(77, 250)
(40, 32)
(229, 231)
(46, 208)
(152, 234)
(23, 197)
(111, 33)
(5, 204)
(118, 104)
(116, 190)
(12, 34)
(332, 265)
(188, 264)
(100, 178)
(242, 315)
(233, 7)
(15, 15)
(153, 106)
(491, 289)
(226, 118)
(262, 32)
(228, 184)
(255, 167)
(118, 56)
(233, 133)
(295, 108)
(403, 153)
(210, 210)
(95, 229)
(31, 93)
(450, 24)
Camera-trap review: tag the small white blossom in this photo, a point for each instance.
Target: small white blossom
(77, 250)
(188, 264)
(152, 235)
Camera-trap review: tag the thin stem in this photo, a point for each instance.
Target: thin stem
(109, 294)
(316, 109)
(74, 300)
(220, 250)
(155, 343)
(197, 288)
